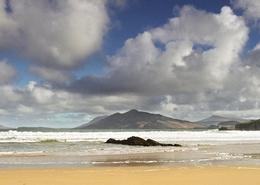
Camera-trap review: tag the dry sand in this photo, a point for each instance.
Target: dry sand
(132, 176)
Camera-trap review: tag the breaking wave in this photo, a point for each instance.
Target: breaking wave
(207, 136)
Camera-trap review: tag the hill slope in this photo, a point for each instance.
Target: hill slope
(252, 125)
(91, 122)
(215, 120)
(134, 119)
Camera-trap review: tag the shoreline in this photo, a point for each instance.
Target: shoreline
(190, 158)
(213, 175)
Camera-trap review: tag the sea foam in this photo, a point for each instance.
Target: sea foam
(198, 137)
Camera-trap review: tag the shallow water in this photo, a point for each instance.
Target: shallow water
(73, 149)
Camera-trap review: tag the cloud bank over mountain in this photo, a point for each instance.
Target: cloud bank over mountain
(189, 67)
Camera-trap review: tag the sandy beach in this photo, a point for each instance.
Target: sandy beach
(132, 176)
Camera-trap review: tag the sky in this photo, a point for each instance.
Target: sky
(62, 63)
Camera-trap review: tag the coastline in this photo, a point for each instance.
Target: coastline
(214, 175)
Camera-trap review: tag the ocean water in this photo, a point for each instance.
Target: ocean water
(87, 148)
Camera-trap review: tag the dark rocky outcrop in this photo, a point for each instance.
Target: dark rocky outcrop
(223, 128)
(137, 141)
(228, 125)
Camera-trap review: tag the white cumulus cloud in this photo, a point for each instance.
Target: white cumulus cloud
(53, 34)
(251, 8)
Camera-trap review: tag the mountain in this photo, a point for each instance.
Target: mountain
(91, 122)
(214, 120)
(135, 119)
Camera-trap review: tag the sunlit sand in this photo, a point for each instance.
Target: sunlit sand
(132, 176)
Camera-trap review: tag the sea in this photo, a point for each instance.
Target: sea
(87, 148)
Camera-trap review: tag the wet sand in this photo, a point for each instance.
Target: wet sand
(132, 176)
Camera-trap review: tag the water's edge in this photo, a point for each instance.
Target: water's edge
(85, 149)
